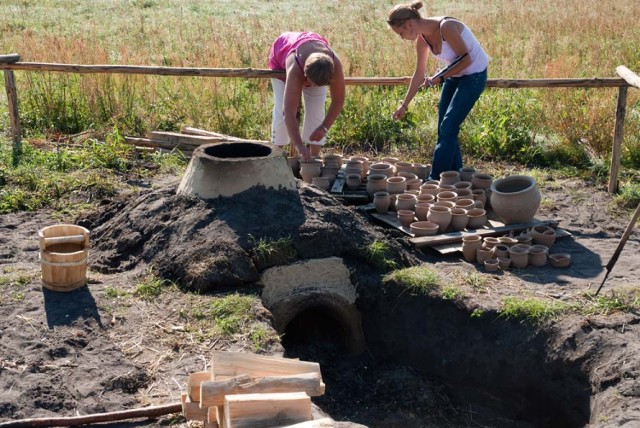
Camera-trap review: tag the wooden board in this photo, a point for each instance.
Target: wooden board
(226, 365)
(266, 410)
(339, 190)
(454, 237)
(193, 384)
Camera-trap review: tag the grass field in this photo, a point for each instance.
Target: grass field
(525, 39)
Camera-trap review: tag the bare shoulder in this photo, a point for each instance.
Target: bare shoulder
(451, 27)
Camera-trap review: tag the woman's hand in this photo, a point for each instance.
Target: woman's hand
(319, 133)
(400, 112)
(303, 151)
(433, 81)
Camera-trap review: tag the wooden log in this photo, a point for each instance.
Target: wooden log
(212, 416)
(316, 423)
(213, 393)
(182, 139)
(197, 131)
(71, 239)
(14, 115)
(192, 411)
(147, 412)
(229, 364)
(194, 382)
(629, 76)
(145, 142)
(618, 134)
(266, 410)
(220, 416)
(9, 58)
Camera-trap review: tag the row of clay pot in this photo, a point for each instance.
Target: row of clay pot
(504, 252)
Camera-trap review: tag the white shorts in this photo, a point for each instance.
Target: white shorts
(314, 101)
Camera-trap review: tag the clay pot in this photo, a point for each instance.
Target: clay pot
(459, 219)
(560, 259)
(376, 183)
(381, 202)
(500, 250)
(422, 170)
(425, 197)
(466, 173)
(490, 242)
(448, 204)
(477, 218)
(515, 199)
(449, 177)
(406, 217)
(504, 262)
(310, 169)
(353, 181)
(405, 201)
(508, 241)
(519, 257)
(423, 228)
(392, 201)
(404, 167)
(321, 182)
(481, 181)
(470, 244)
(422, 209)
(441, 216)
(382, 168)
(447, 196)
(538, 255)
(365, 163)
(491, 265)
(480, 195)
(525, 238)
(396, 184)
(464, 194)
(390, 160)
(414, 184)
(543, 235)
(462, 185)
(330, 172)
(467, 204)
(483, 254)
(429, 189)
(446, 187)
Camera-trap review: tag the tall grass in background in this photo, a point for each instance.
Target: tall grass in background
(525, 39)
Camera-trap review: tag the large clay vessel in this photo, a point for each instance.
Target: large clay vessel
(515, 199)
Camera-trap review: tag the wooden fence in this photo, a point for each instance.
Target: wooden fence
(11, 62)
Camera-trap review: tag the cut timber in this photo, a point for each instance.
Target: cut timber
(183, 139)
(449, 238)
(229, 364)
(145, 142)
(192, 411)
(213, 393)
(316, 423)
(266, 410)
(196, 131)
(193, 384)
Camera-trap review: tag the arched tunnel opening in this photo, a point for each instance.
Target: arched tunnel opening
(315, 328)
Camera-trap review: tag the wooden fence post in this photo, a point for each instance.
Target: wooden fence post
(12, 98)
(614, 170)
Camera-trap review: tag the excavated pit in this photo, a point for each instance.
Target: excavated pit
(426, 360)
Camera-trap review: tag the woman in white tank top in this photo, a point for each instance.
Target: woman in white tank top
(447, 39)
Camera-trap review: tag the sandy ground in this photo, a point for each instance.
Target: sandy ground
(81, 352)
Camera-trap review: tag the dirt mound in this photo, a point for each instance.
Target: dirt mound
(206, 244)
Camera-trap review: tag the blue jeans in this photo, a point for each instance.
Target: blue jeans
(459, 94)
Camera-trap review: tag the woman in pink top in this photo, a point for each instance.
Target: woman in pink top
(310, 67)
(446, 39)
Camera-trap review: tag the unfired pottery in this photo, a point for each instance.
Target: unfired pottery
(515, 199)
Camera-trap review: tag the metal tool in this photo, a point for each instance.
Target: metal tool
(447, 68)
(623, 241)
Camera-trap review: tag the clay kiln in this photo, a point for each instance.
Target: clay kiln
(230, 167)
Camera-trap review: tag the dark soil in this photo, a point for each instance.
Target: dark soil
(428, 363)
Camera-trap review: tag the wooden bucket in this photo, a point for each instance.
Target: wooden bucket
(63, 256)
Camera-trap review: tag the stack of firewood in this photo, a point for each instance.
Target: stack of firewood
(247, 390)
(186, 141)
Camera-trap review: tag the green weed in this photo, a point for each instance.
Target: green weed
(150, 286)
(532, 310)
(378, 254)
(273, 250)
(232, 313)
(613, 301)
(452, 293)
(418, 279)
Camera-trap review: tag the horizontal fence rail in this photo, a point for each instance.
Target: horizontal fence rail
(11, 62)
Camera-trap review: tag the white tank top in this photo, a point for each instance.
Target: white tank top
(479, 58)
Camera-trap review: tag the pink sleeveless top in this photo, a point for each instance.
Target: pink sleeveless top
(288, 42)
